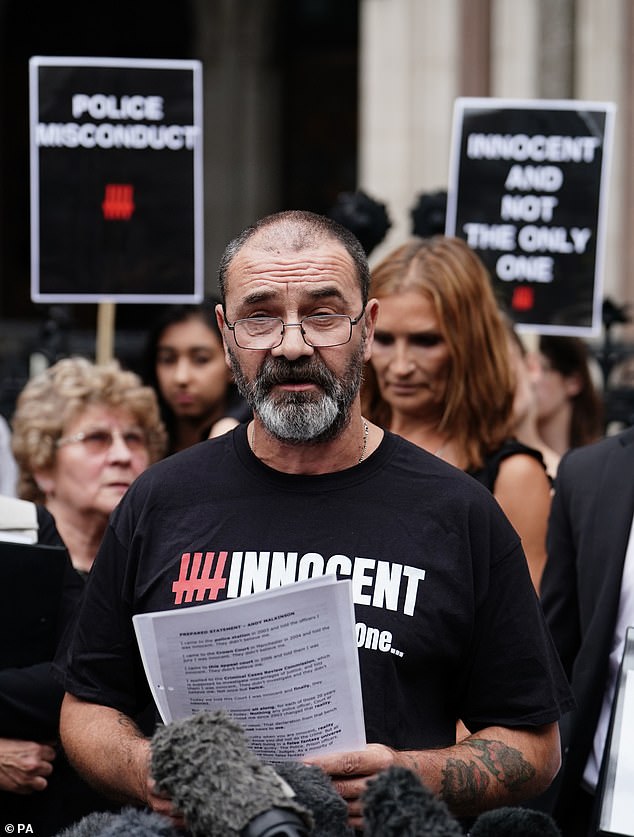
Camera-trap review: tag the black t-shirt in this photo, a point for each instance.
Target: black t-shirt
(448, 624)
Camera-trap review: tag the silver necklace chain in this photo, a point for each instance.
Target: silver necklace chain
(366, 430)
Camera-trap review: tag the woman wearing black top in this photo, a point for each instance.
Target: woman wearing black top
(441, 376)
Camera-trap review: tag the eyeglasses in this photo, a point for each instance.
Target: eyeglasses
(318, 330)
(100, 441)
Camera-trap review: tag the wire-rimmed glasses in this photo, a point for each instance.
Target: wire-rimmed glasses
(320, 331)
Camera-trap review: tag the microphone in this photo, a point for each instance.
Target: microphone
(89, 826)
(135, 823)
(130, 821)
(314, 790)
(204, 763)
(397, 804)
(514, 822)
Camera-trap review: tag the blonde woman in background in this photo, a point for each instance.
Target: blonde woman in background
(441, 376)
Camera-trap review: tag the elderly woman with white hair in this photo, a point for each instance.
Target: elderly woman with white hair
(81, 434)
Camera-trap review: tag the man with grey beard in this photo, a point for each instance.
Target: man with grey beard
(448, 625)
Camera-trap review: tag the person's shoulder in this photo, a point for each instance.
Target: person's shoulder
(417, 461)
(609, 448)
(582, 469)
(520, 459)
(514, 450)
(198, 458)
(47, 528)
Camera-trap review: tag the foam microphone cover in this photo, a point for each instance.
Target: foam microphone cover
(397, 804)
(130, 822)
(222, 788)
(314, 789)
(135, 823)
(89, 826)
(514, 822)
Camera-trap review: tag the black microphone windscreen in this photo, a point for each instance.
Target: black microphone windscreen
(314, 789)
(514, 822)
(134, 823)
(130, 822)
(206, 766)
(89, 826)
(397, 804)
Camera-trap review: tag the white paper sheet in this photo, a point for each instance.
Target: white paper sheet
(622, 819)
(284, 663)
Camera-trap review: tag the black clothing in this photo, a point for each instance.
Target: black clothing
(30, 700)
(588, 538)
(488, 473)
(448, 623)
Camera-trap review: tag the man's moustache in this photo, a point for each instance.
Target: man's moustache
(282, 372)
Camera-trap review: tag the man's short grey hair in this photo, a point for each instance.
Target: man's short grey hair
(297, 230)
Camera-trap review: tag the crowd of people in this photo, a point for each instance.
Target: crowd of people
(390, 417)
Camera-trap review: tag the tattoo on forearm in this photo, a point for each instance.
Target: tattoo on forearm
(466, 780)
(463, 783)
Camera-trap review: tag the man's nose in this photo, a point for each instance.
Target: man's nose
(293, 344)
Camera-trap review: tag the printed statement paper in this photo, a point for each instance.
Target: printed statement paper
(282, 662)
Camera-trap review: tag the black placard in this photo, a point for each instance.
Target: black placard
(31, 581)
(527, 192)
(116, 180)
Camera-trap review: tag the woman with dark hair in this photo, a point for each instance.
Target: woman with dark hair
(441, 376)
(569, 407)
(185, 364)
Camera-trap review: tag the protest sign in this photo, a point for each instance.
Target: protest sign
(116, 180)
(528, 192)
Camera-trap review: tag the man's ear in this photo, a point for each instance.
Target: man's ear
(220, 319)
(370, 315)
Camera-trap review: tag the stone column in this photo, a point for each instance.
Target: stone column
(408, 81)
(514, 61)
(603, 72)
(241, 118)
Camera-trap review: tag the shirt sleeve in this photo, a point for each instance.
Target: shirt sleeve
(101, 662)
(516, 678)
